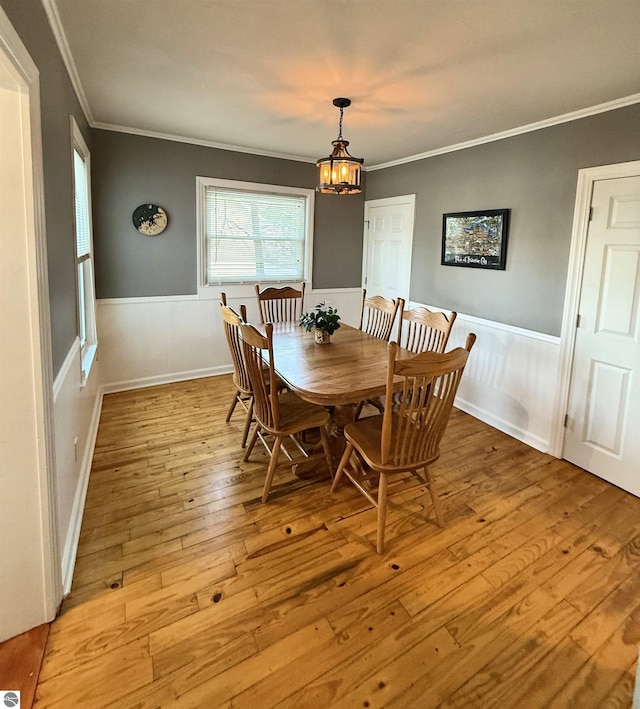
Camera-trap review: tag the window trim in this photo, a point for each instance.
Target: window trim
(246, 289)
(88, 351)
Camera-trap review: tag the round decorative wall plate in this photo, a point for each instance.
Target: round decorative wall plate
(149, 219)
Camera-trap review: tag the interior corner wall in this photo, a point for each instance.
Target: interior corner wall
(58, 101)
(535, 176)
(129, 170)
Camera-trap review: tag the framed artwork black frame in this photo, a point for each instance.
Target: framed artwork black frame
(475, 239)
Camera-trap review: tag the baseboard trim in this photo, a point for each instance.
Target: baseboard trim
(70, 550)
(166, 379)
(496, 422)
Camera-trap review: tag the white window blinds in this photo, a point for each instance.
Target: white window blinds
(254, 236)
(83, 233)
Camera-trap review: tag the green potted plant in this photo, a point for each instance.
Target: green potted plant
(323, 319)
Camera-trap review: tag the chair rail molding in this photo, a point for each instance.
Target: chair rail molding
(509, 379)
(146, 341)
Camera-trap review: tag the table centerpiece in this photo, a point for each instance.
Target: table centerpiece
(323, 319)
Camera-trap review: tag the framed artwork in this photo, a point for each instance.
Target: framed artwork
(475, 239)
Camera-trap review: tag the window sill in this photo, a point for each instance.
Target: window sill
(88, 358)
(242, 290)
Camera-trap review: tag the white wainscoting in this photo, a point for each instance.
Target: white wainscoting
(76, 410)
(148, 341)
(509, 383)
(510, 379)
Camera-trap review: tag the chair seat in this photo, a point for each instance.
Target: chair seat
(365, 434)
(297, 415)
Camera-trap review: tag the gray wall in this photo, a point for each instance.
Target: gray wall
(58, 102)
(534, 175)
(129, 170)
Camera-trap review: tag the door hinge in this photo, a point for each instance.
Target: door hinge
(365, 280)
(578, 320)
(590, 214)
(566, 420)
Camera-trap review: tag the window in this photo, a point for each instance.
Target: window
(84, 251)
(252, 233)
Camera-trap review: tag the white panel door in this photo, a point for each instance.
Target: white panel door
(603, 429)
(387, 248)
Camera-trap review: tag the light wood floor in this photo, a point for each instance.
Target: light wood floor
(188, 592)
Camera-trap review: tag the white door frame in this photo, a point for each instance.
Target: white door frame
(39, 316)
(586, 178)
(385, 202)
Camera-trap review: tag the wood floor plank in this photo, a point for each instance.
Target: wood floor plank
(380, 664)
(100, 682)
(309, 664)
(20, 662)
(603, 581)
(471, 657)
(189, 592)
(548, 676)
(597, 678)
(257, 668)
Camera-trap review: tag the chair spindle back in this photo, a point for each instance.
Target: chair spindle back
(423, 330)
(280, 304)
(378, 315)
(231, 323)
(265, 392)
(413, 427)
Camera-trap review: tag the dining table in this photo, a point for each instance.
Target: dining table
(340, 374)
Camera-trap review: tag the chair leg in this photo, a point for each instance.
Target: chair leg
(437, 507)
(341, 466)
(236, 394)
(359, 408)
(327, 449)
(272, 468)
(382, 511)
(252, 443)
(247, 423)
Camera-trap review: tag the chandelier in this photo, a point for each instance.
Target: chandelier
(340, 172)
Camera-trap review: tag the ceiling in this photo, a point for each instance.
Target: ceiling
(423, 75)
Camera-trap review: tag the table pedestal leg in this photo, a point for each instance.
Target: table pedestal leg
(342, 415)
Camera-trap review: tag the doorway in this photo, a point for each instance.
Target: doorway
(600, 353)
(31, 589)
(388, 241)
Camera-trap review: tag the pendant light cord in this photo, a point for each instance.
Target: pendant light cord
(340, 131)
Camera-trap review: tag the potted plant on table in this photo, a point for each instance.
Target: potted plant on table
(323, 319)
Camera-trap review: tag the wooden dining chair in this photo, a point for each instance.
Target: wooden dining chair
(422, 329)
(378, 315)
(406, 437)
(280, 414)
(280, 304)
(243, 394)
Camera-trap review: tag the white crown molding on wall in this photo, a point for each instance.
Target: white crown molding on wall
(529, 128)
(204, 143)
(55, 22)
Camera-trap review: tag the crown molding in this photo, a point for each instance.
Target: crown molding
(204, 143)
(51, 10)
(55, 22)
(529, 128)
